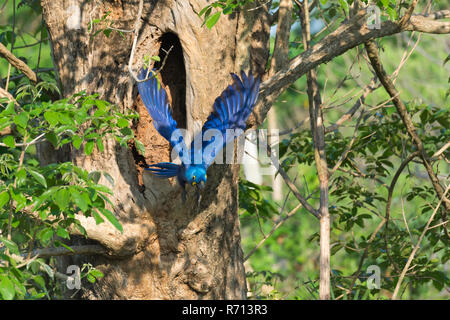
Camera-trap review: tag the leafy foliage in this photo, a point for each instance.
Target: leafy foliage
(374, 144)
(212, 12)
(39, 203)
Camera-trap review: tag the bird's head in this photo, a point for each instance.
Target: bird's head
(196, 176)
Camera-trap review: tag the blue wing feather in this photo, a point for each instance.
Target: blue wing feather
(231, 111)
(156, 102)
(164, 169)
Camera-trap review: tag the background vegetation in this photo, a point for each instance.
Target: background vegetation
(37, 203)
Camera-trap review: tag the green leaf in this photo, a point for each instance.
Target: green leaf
(46, 234)
(122, 123)
(111, 218)
(65, 119)
(62, 198)
(51, 136)
(385, 3)
(227, 10)
(103, 189)
(95, 176)
(39, 177)
(39, 281)
(21, 176)
(213, 20)
(90, 278)
(390, 110)
(97, 217)
(61, 232)
(344, 5)
(77, 141)
(7, 289)
(19, 198)
(140, 147)
(4, 198)
(12, 246)
(78, 199)
(60, 244)
(203, 11)
(108, 177)
(51, 117)
(47, 269)
(9, 141)
(100, 145)
(21, 119)
(107, 32)
(96, 273)
(156, 58)
(89, 147)
(392, 13)
(9, 110)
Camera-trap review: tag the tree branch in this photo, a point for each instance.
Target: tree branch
(349, 114)
(17, 63)
(280, 57)
(318, 134)
(117, 244)
(374, 57)
(347, 36)
(76, 250)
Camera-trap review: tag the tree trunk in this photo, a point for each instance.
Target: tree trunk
(168, 250)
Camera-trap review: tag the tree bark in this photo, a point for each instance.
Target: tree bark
(168, 250)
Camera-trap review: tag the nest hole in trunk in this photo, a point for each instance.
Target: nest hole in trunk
(173, 78)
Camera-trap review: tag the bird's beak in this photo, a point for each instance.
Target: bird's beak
(201, 184)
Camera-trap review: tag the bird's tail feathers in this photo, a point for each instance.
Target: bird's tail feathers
(164, 169)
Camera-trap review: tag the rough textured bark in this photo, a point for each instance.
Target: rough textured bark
(168, 250)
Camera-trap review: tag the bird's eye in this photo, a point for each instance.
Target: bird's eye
(206, 176)
(193, 177)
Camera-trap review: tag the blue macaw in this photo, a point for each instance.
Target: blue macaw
(231, 111)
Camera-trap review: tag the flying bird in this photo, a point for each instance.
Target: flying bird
(231, 111)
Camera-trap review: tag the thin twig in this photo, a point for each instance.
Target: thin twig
(389, 201)
(136, 35)
(291, 185)
(364, 255)
(374, 57)
(349, 147)
(34, 141)
(274, 228)
(31, 44)
(349, 114)
(440, 151)
(416, 248)
(40, 48)
(133, 49)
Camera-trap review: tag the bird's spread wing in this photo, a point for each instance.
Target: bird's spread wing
(164, 169)
(231, 111)
(155, 100)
